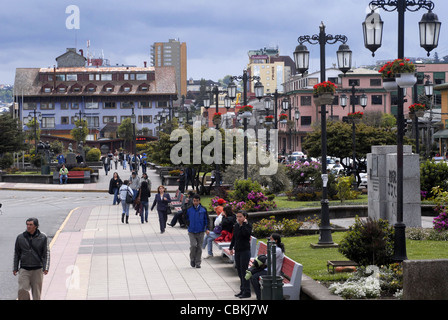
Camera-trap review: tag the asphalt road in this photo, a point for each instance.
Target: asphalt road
(51, 208)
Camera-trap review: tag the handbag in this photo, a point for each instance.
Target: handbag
(217, 229)
(129, 198)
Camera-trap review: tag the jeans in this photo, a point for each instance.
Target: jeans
(125, 207)
(63, 176)
(124, 163)
(145, 208)
(241, 264)
(208, 240)
(116, 196)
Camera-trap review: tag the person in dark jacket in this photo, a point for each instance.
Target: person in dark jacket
(197, 220)
(114, 186)
(240, 247)
(162, 200)
(143, 196)
(31, 260)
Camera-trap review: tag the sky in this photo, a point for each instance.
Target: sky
(218, 34)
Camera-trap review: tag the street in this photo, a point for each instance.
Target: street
(51, 208)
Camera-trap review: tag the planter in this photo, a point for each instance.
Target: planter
(268, 123)
(406, 80)
(216, 121)
(420, 113)
(283, 121)
(326, 98)
(317, 101)
(389, 84)
(246, 114)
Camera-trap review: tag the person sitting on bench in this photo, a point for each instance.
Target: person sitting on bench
(63, 174)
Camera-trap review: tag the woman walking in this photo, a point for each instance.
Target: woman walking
(161, 199)
(124, 191)
(143, 195)
(114, 185)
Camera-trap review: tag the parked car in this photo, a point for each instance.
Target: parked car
(363, 183)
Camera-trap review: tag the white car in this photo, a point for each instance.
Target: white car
(363, 183)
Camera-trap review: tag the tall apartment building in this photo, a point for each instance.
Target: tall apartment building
(172, 54)
(272, 68)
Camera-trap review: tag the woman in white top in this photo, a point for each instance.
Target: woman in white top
(124, 190)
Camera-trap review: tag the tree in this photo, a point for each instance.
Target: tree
(80, 131)
(125, 130)
(11, 136)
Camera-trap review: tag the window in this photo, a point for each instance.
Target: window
(127, 105)
(75, 105)
(145, 119)
(305, 100)
(48, 122)
(106, 77)
(29, 106)
(109, 119)
(60, 77)
(142, 76)
(145, 104)
(305, 120)
(50, 77)
(46, 106)
(72, 77)
(62, 89)
(377, 99)
(47, 90)
(76, 89)
(375, 82)
(91, 105)
(64, 120)
(91, 77)
(93, 121)
(132, 76)
(64, 105)
(109, 105)
(126, 76)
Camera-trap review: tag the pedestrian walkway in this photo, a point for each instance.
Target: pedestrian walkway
(96, 256)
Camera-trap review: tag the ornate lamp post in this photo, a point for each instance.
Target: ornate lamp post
(301, 57)
(36, 116)
(429, 37)
(231, 89)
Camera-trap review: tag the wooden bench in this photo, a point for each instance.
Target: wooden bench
(178, 203)
(81, 176)
(291, 273)
(253, 248)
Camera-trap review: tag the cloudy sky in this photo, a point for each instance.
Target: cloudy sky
(218, 34)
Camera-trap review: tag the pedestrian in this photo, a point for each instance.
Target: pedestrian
(79, 159)
(197, 220)
(63, 174)
(212, 235)
(115, 158)
(146, 178)
(162, 200)
(240, 247)
(279, 255)
(143, 195)
(134, 183)
(60, 158)
(31, 260)
(124, 191)
(125, 157)
(114, 186)
(180, 215)
(181, 181)
(106, 164)
(144, 162)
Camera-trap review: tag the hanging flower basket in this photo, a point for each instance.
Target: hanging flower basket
(283, 118)
(389, 84)
(325, 92)
(355, 116)
(246, 111)
(268, 120)
(402, 70)
(217, 118)
(418, 109)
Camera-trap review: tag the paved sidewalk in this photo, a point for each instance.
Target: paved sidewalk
(96, 256)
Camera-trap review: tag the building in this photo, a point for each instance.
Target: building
(272, 68)
(172, 54)
(103, 95)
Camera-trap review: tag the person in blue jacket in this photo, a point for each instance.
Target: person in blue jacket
(162, 200)
(197, 220)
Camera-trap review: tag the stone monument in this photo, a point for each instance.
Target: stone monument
(382, 185)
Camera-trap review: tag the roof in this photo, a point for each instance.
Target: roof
(27, 81)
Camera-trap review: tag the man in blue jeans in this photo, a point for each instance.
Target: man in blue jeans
(197, 220)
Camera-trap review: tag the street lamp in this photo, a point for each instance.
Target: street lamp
(231, 90)
(301, 55)
(36, 116)
(429, 38)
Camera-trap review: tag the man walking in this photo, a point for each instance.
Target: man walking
(33, 254)
(197, 220)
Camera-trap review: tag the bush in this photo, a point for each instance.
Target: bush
(174, 173)
(369, 242)
(94, 154)
(343, 186)
(433, 174)
(265, 227)
(242, 188)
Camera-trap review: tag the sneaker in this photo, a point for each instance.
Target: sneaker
(208, 256)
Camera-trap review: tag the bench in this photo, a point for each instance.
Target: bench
(178, 203)
(341, 266)
(81, 176)
(253, 248)
(291, 273)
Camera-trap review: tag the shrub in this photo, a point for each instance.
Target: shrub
(343, 186)
(94, 154)
(242, 188)
(174, 173)
(369, 242)
(433, 174)
(266, 226)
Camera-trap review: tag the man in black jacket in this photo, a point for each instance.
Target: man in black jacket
(240, 246)
(33, 254)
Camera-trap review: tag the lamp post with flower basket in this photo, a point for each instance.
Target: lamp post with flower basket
(429, 27)
(344, 57)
